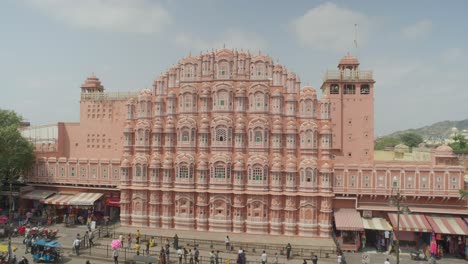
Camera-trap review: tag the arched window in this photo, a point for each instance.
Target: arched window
(185, 136)
(138, 172)
(258, 136)
(309, 175)
(183, 171)
(257, 173)
(219, 171)
(221, 134)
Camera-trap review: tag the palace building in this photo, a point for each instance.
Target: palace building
(229, 141)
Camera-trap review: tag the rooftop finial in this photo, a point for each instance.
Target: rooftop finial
(224, 45)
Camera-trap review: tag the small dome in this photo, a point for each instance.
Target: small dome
(290, 98)
(454, 129)
(205, 125)
(277, 126)
(239, 165)
(145, 95)
(125, 163)
(131, 101)
(157, 126)
(325, 130)
(92, 83)
(276, 93)
(291, 127)
(240, 124)
(276, 164)
(155, 163)
(167, 163)
(325, 168)
(170, 125)
(401, 148)
(172, 94)
(444, 151)
(348, 60)
(278, 67)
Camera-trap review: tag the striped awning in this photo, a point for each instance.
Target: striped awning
(376, 223)
(37, 194)
(85, 199)
(348, 219)
(411, 222)
(58, 199)
(447, 224)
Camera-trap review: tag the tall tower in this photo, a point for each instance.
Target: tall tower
(351, 94)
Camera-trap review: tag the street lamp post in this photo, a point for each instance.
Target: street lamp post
(395, 200)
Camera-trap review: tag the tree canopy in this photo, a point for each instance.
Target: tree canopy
(460, 144)
(411, 139)
(16, 152)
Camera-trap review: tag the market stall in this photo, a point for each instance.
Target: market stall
(348, 225)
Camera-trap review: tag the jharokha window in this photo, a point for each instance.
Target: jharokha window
(334, 89)
(365, 89)
(349, 89)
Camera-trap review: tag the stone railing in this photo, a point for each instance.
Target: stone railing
(108, 96)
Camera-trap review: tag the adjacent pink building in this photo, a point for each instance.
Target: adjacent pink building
(229, 141)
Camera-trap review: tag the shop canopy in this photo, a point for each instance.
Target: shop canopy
(37, 194)
(410, 222)
(58, 199)
(447, 224)
(85, 198)
(376, 223)
(348, 220)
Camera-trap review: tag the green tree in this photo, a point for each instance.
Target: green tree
(16, 153)
(460, 144)
(384, 142)
(463, 193)
(411, 139)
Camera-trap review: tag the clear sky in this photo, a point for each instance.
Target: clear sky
(418, 50)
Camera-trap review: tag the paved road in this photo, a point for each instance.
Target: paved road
(100, 254)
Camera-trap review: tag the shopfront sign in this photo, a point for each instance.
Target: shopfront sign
(367, 214)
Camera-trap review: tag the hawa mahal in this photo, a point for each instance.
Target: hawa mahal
(229, 141)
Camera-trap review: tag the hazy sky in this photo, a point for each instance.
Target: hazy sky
(418, 50)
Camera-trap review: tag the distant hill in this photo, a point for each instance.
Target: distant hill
(439, 130)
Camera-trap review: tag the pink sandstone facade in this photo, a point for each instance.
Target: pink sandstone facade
(228, 141)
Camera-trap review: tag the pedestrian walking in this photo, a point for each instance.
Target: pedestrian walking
(88, 262)
(244, 257)
(239, 257)
(137, 248)
(86, 239)
(264, 257)
(387, 261)
(180, 255)
(340, 258)
(217, 257)
(137, 235)
(197, 255)
(212, 257)
(166, 243)
(276, 258)
(304, 262)
(190, 256)
(315, 259)
(129, 241)
(147, 248)
(175, 243)
(167, 252)
(227, 241)
(76, 246)
(121, 240)
(91, 239)
(116, 256)
(162, 256)
(288, 251)
(27, 242)
(185, 255)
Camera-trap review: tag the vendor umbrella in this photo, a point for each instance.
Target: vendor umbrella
(116, 244)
